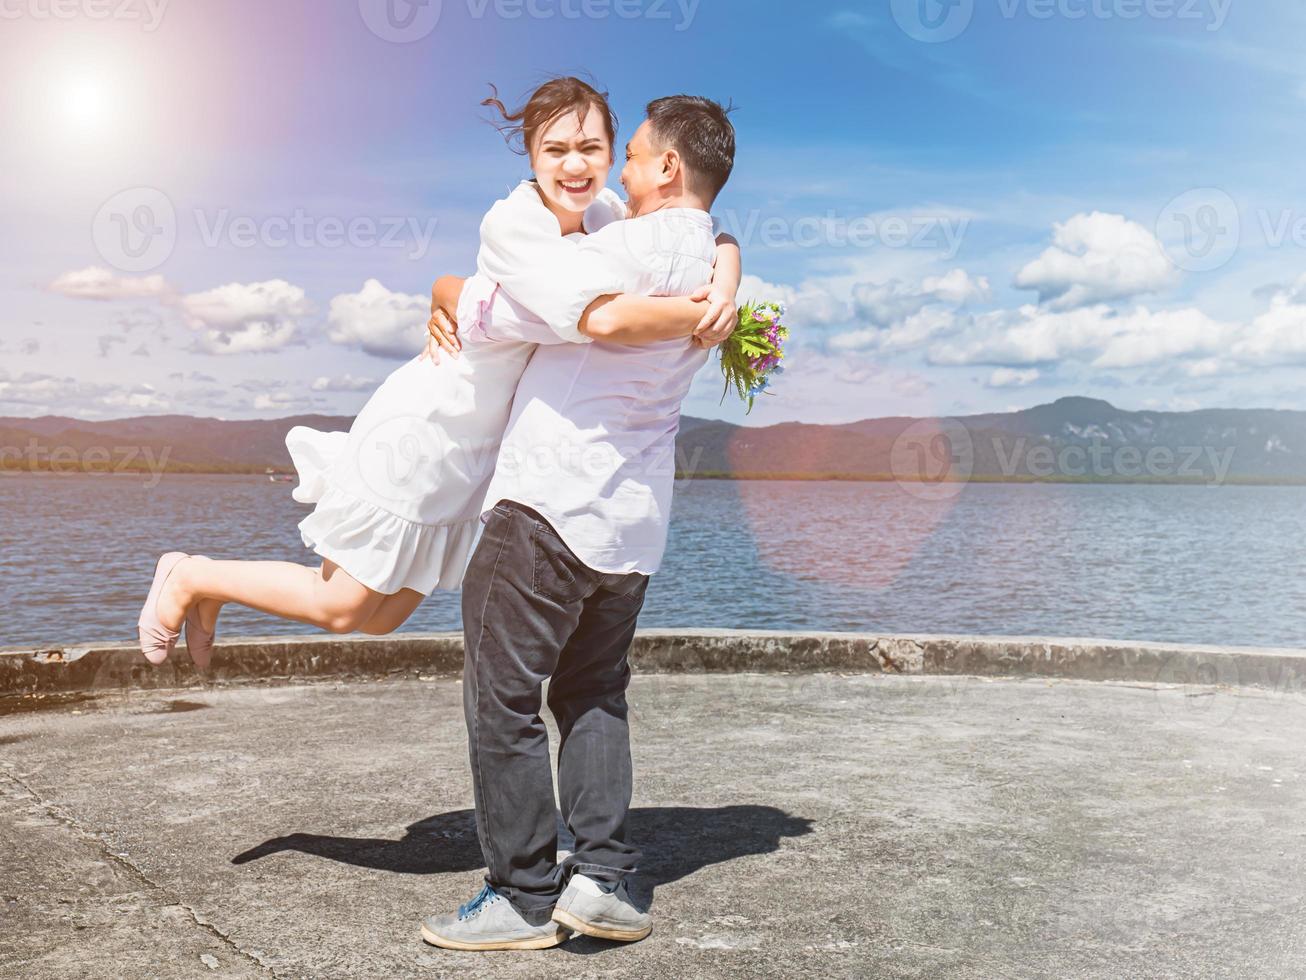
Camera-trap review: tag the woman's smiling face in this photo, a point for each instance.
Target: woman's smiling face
(571, 159)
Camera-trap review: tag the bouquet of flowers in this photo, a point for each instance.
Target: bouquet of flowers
(754, 351)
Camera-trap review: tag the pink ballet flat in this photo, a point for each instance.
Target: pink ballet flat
(199, 641)
(157, 641)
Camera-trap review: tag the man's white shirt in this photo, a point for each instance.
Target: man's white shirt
(590, 443)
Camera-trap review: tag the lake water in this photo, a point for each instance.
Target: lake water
(1223, 565)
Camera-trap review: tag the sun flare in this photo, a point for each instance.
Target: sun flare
(85, 105)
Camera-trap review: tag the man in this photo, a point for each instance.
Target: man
(576, 522)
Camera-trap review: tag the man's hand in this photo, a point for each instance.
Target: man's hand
(443, 325)
(721, 318)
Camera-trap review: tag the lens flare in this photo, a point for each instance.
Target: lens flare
(85, 105)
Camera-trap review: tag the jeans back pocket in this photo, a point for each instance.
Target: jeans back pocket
(559, 574)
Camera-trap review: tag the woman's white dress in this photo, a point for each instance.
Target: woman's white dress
(398, 498)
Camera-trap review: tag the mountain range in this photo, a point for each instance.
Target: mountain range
(1076, 439)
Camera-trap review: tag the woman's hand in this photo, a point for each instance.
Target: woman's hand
(721, 318)
(443, 325)
(444, 335)
(722, 314)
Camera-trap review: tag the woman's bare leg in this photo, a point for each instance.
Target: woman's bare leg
(392, 613)
(325, 597)
(389, 616)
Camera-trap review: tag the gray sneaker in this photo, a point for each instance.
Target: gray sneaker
(488, 922)
(611, 915)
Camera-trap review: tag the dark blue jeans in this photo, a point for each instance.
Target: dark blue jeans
(533, 611)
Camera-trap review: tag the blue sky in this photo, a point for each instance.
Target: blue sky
(968, 206)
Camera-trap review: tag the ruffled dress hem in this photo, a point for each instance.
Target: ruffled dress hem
(381, 550)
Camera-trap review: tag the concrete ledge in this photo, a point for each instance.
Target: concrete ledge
(287, 658)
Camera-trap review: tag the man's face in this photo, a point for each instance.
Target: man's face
(643, 171)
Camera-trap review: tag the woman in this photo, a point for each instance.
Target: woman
(398, 498)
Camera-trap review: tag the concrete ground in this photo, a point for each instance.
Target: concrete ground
(828, 825)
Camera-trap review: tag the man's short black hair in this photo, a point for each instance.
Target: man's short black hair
(699, 130)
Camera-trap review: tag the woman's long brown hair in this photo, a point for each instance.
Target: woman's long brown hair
(555, 98)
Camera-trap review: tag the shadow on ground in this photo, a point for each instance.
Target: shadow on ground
(678, 841)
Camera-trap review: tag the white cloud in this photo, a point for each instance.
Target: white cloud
(905, 315)
(44, 394)
(1095, 255)
(140, 319)
(1012, 378)
(1096, 258)
(1207, 367)
(1153, 337)
(901, 312)
(107, 342)
(346, 383)
(884, 304)
(101, 284)
(913, 332)
(1187, 338)
(141, 398)
(380, 322)
(822, 387)
(241, 319)
(808, 305)
(34, 389)
(1032, 335)
(1277, 336)
(278, 400)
